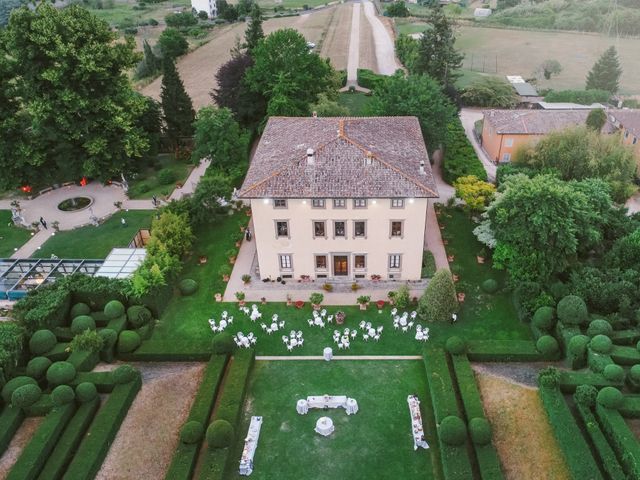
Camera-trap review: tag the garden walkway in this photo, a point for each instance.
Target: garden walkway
(338, 357)
(385, 49)
(468, 117)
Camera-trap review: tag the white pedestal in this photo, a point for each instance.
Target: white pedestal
(302, 407)
(324, 426)
(328, 353)
(352, 406)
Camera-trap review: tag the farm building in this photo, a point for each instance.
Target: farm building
(209, 6)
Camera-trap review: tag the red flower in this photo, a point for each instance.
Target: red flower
(299, 304)
(380, 304)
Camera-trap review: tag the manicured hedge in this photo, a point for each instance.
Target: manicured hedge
(41, 408)
(597, 361)
(118, 324)
(35, 454)
(141, 356)
(63, 334)
(10, 420)
(102, 380)
(630, 407)
(460, 158)
(569, 381)
(369, 79)
(625, 355)
(621, 439)
(503, 351)
(95, 445)
(577, 454)
(58, 353)
(83, 360)
(625, 337)
(56, 463)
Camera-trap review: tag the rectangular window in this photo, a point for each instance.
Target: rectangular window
(321, 262)
(396, 228)
(319, 229)
(635, 140)
(339, 229)
(359, 228)
(282, 228)
(339, 203)
(359, 203)
(626, 134)
(279, 203)
(508, 142)
(317, 203)
(506, 157)
(285, 262)
(397, 203)
(360, 262)
(394, 261)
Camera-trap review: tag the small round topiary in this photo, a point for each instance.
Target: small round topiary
(188, 287)
(219, 434)
(191, 432)
(223, 343)
(455, 345)
(138, 315)
(37, 367)
(25, 396)
(599, 326)
(124, 374)
(544, 318)
(79, 309)
(586, 395)
(62, 394)
(13, 384)
(614, 373)
(572, 310)
(453, 431)
(86, 391)
(114, 309)
(610, 397)
(42, 341)
(547, 345)
(60, 373)
(601, 344)
(109, 337)
(578, 345)
(634, 373)
(489, 285)
(82, 323)
(480, 431)
(128, 341)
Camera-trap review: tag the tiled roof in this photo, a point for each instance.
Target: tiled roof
(628, 119)
(538, 122)
(279, 167)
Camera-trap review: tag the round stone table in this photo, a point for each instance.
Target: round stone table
(324, 426)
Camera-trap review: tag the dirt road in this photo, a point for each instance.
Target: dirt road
(384, 45)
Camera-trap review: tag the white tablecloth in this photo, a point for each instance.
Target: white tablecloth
(250, 445)
(416, 423)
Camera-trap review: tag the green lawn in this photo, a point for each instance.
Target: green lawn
(147, 184)
(296, 4)
(355, 102)
(409, 27)
(123, 10)
(96, 242)
(11, 237)
(375, 443)
(467, 77)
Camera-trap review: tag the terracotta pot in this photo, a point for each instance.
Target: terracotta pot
(225, 278)
(218, 297)
(315, 307)
(364, 306)
(241, 303)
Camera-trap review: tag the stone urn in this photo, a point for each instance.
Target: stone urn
(340, 316)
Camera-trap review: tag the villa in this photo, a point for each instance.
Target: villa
(340, 198)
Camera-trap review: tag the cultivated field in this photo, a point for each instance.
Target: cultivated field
(336, 41)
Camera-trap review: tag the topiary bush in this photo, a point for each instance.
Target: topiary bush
(60, 373)
(114, 309)
(610, 397)
(455, 345)
(223, 343)
(547, 345)
(37, 367)
(42, 341)
(82, 323)
(548, 377)
(599, 326)
(489, 285)
(219, 434)
(138, 315)
(13, 384)
(191, 432)
(572, 310)
(634, 374)
(544, 318)
(613, 373)
(86, 391)
(480, 431)
(26, 395)
(62, 394)
(128, 341)
(453, 431)
(79, 309)
(586, 395)
(124, 374)
(188, 287)
(601, 344)
(109, 337)
(578, 345)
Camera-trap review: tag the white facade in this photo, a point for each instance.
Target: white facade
(290, 240)
(208, 6)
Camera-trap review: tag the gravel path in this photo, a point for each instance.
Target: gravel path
(385, 50)
(354, 47)
(525, 374)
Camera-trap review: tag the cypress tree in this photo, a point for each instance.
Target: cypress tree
(176, 105)
(150, 64)
(438, 302)
(254, 31)
(605, 74)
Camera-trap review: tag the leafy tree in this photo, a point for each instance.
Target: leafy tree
(172, 44)
(176, 105)
(202, 15)
(596, 119)
(172, 231)
(626, 252)
(585, 97)
(490, 92)
(226, 11)
(6, 7)
(212, 187)
(605, 74)
(150, 64)
(437, 55)
(325, 107)
(245, 7)
(407, 51)
(151, 123)
(182, 19)
(254, 33)
(397, 9)
(439, 301)
(416, 95)
(475, 193)
(549, 68)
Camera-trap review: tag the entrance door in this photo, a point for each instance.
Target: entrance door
(340, 265)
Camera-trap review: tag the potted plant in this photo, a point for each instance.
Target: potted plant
(316, 299)
(246, 278)
(327, 287)
(340, 316)
(218, 297)
(355, 287)
(363, 301)
(299, 304)
(375, 278)
(289, 302)
(481, 256)
(231, 254)
(248, 212)
(240, 297)
(225, 272)
(305, 278)
(56, 225)
(202, 259)
(392, 297)
(380, 305)
(263, 300)
(238, 236)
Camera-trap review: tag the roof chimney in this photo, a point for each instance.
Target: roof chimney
(422, 167)
(369, 159)
(311, 156)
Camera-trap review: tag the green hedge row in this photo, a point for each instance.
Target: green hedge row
(621, 439)
(597, 361)
(569, 381)
(606, 456)
(564, 333)
(44, 440)
(10, 420)
(460, 158)
(63, 334)
(184, 459)
(102, 380)
(630, 407)
(229, 408)
(141, 356)
(95, 445)
(83, 360)
(576, 452)
(369, 79)
(625, 337)
(625, 355)
(503, 351)
(58, 353)
(41, 408)
(69, 441)
(118, 324)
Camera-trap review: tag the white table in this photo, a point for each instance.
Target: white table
(416, 423)
(327, 401)
(324, 426)
(250, 445)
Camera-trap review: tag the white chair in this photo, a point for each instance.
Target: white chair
(321, 324)
(301, 342)
(368, 325)
(263, 326)
(289, 347)
(269, 331)
(230, 320)
(365, 337)
(354, 333)
(281, 323)
(414, 314)
(235, 338)
(410, 324)
(379, 329)
(346, 331)
(394, 311)
(395, 325)
(347, 345)
(274, 317)
(404, 329)
(225, 314)
(299, 334)
(377, 337)
(340, 346)
(285, 339)
(310, 322)
(361, 325)
(253, 340)
(323, 313)
(330, 319)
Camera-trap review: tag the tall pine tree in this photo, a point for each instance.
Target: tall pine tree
(176, 105)
(605, 74)
(254, 31)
